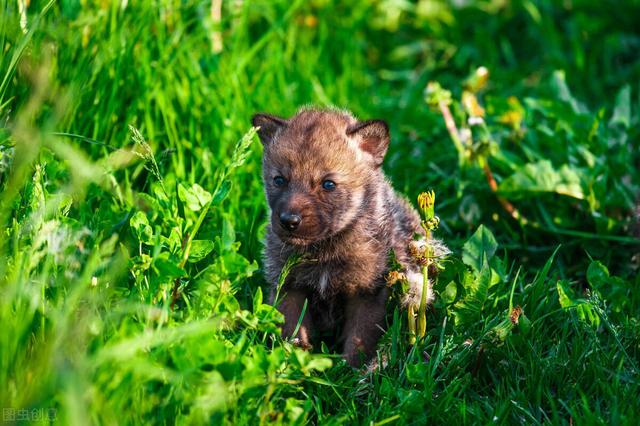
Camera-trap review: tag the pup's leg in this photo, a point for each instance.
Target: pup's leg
(291, 307)
(364, 320)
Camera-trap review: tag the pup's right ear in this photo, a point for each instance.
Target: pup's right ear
(269, 126)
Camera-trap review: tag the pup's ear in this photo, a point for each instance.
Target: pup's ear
(373, 138)
(269, 126)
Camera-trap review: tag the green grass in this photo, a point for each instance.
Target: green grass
(132, 209)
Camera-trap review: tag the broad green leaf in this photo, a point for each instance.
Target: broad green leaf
(257, 299)
(469, 309)
(318, 363)
(612, 288)
(228, 233)
(449, 293)
(622, 111)
(174, 241)
(597, 274)
(222, 192)
(151, 202)
(269, 318)
(167, 268)
(559, 83)
(210, 400)
(200, 249)
(140, 225)
(195, 198)
(565, 295)
(583, 308)
(542, 177)
(201, 194)
(296, 410)
(481, 244)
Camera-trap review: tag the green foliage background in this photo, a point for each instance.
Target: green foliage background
(132, 210)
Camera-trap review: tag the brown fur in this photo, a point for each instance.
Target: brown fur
(345, 234)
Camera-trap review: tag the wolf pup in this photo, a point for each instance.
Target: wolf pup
(331, 203)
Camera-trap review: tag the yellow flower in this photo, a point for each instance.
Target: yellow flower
(427, 201)
(471, 104)
(477, 80)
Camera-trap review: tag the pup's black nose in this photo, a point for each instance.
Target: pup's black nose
(289, 221)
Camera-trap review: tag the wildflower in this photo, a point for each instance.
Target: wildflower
(427, 253)
(311, 21)
(427, 202)
(417, 248)
(435, 95)
(515, 315)
(477, 80)
(472, 106)
(475, 121)
(395, 276)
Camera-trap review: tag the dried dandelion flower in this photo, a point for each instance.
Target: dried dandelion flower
(417, 248)
(515, 315)
(395, 276)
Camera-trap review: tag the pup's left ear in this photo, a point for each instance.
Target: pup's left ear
(373, 138)
(269, 126)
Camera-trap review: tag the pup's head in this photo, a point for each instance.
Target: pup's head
(318, 168)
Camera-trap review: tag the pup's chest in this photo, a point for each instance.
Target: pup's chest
(347, 277)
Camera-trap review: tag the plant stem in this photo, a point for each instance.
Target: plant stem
(493, 185)
(457, 142)
(216, 18)
(175, 293)
(411, 322)
(453, 131)
(422, 310)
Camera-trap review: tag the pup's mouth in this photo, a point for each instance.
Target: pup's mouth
(296, 241)
(294, 238)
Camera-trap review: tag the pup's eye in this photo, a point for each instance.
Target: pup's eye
(328, 185)
(279, 181)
